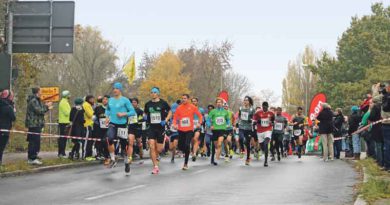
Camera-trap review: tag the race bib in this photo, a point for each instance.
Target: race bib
(278, 126)
(185, 122)
(264, 122)
(155, 118)
(133, 119)
(102, 122)
(297, 132)
(122, 133)
(196, 123)
(220, 120)
(245, 116)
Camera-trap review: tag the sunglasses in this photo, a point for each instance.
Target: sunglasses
(153, 92)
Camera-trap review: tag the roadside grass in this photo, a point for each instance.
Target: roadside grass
(22, 165)
(378, 182)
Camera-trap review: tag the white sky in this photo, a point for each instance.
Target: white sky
(266, 34)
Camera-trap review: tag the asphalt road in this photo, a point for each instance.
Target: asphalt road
(291, 181)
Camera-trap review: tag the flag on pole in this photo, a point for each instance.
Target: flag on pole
(129, 69)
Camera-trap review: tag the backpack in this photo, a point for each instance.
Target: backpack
(386, 102)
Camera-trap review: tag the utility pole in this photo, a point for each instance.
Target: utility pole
(10, 39)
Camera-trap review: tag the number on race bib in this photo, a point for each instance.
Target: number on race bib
(185, 122)
(155, 118)
(245, 116)
(264, 122)
(220, 120)
(297, 132)
(279, 126)
(122, 133)
(102, 122)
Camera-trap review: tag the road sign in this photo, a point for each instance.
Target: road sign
(5, 71)
(50, 94)
(42, 26)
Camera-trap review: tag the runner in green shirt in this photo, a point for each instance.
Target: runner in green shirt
(217, 120)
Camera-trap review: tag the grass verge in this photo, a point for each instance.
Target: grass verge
(23, 166)
(378, 182)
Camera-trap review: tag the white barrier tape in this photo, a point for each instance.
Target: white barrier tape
(46, 135)
(369, 125)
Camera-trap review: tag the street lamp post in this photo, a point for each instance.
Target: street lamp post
(305, 66)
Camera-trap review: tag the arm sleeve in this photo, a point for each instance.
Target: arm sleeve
(108, 110)
(88, 110)
(208, 120)
(38, 108)
(175, 116)
(200, 117)
(12, 113)
(130, 108)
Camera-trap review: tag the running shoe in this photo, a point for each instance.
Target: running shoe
(214, 163)
(155, 170)
(127, 168)
(106, 162)
(227, 159)
(89, 159)
(241, 155)
(279, 158)
(247, 162)
(113, 164)
(185, 167)
(34, 162)
(273, 158)
(194, 158)
(265, 164)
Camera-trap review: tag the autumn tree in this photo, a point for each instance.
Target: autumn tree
(166, 74)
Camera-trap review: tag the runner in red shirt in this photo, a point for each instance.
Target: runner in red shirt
(183, 121)
(264, 120)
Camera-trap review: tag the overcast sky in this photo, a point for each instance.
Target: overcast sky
(265, 34)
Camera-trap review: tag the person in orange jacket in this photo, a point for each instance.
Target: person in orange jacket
(183, 121)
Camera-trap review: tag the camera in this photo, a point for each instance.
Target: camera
(382, 88)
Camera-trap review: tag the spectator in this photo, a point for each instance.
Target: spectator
(384, 97)
(376, 131)
(325, 130)
(88, 116)
(338, 125)
(63, 122)
(354, 121)
(7, 116)
(77, 127)
(35, 121)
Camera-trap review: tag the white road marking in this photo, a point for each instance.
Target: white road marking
(114, 192)
(199, 171)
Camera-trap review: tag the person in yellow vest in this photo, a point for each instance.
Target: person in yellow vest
(63, 122)
(88, 116)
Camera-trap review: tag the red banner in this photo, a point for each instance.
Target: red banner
(224, 95)
(316, 106)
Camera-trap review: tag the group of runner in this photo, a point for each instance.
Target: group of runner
(193, 131)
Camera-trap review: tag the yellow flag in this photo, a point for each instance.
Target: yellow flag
(129, 69)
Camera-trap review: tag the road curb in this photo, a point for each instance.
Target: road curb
(359, 200)
(54, 167)
(47, 168)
